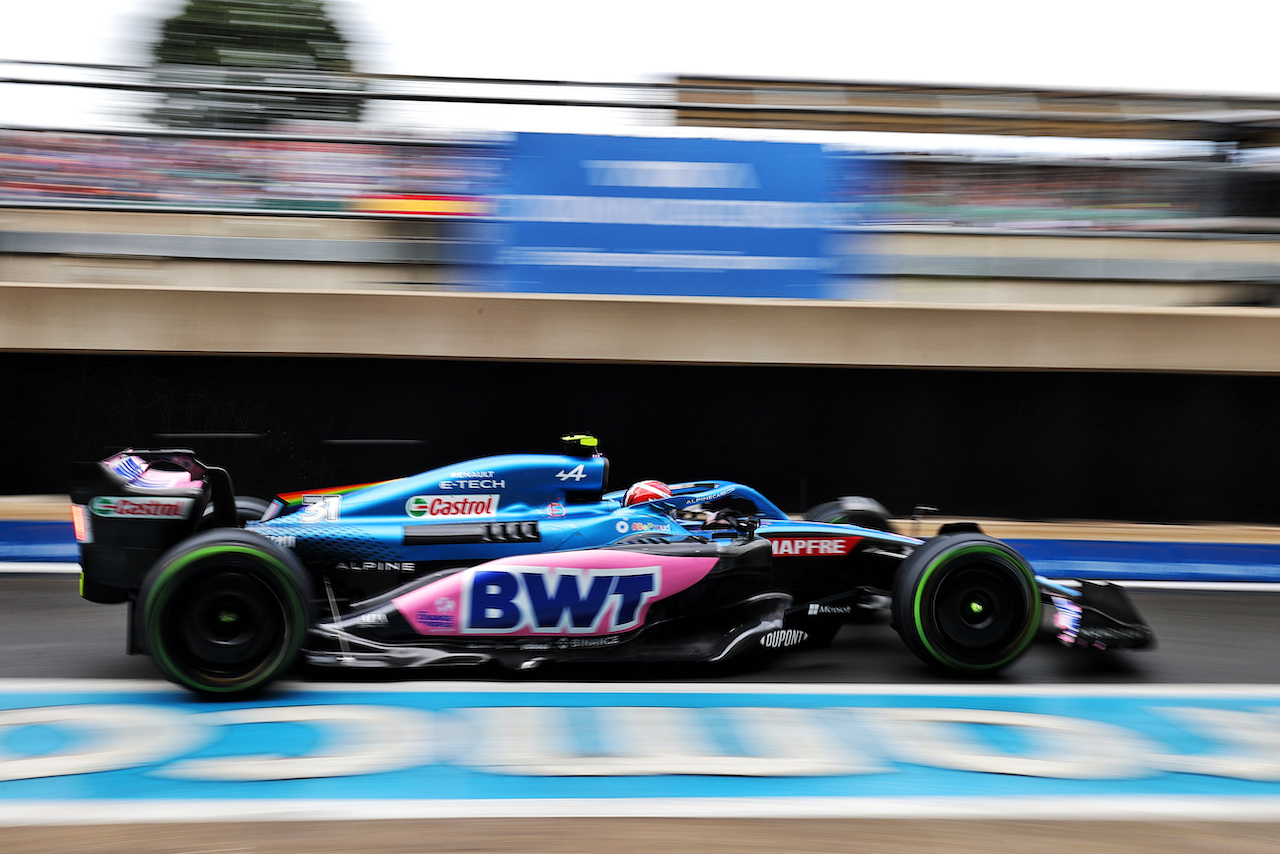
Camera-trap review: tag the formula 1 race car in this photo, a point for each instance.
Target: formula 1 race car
(524, 559)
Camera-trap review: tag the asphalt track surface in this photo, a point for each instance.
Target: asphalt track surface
(1204, 637)
(646, 836)
(48, 631)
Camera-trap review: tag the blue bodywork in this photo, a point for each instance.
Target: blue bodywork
(506, 505)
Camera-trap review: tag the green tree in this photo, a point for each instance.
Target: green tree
(280, 44)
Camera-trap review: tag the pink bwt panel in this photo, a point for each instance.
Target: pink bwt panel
(561, 594)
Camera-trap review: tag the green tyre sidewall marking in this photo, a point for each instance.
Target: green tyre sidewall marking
(918, 601)
(162, 592)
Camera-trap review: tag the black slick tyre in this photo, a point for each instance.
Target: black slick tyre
(852, 510)
(248, 509)
(225, 612)
(966, 604)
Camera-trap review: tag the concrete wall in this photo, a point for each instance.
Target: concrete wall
(351, 253)
(133, 319)
(219, 250)
(1074, 268)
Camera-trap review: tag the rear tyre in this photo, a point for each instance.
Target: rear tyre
(966, 604)
(852, 510)
(248, 509)
(225, 612)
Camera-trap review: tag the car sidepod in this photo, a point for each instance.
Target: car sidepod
(688, 601)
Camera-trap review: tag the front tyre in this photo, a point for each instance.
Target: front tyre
(225, 612)
(966, 604)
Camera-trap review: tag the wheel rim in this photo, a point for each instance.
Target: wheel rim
(234, 618)
(973, 608)
(223, 628)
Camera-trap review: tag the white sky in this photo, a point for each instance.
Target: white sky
(1090, 44)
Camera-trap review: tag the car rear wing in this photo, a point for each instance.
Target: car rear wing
(130, 508)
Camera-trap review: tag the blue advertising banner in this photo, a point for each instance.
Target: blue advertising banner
(694, 217)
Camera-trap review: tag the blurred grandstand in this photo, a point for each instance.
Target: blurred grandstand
(1216, 159)
(315, 175)
(312, 173)
(287, 173)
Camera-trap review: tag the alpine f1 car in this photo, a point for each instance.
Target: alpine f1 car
(524, 559)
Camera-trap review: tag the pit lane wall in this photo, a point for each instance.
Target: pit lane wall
(104, 318)
(1163, 415)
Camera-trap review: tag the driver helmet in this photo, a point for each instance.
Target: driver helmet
(646, 490)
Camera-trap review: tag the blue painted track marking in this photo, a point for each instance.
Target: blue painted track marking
(143, 750)
(37, 541)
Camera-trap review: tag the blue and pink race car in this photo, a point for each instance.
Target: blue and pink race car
(524, 559)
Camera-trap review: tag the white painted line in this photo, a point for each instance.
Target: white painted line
(766, 688)
(1205, 586)
(1135, 808)
(39, 568)
(1193, 586)
(284, 690)
(94, 686)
